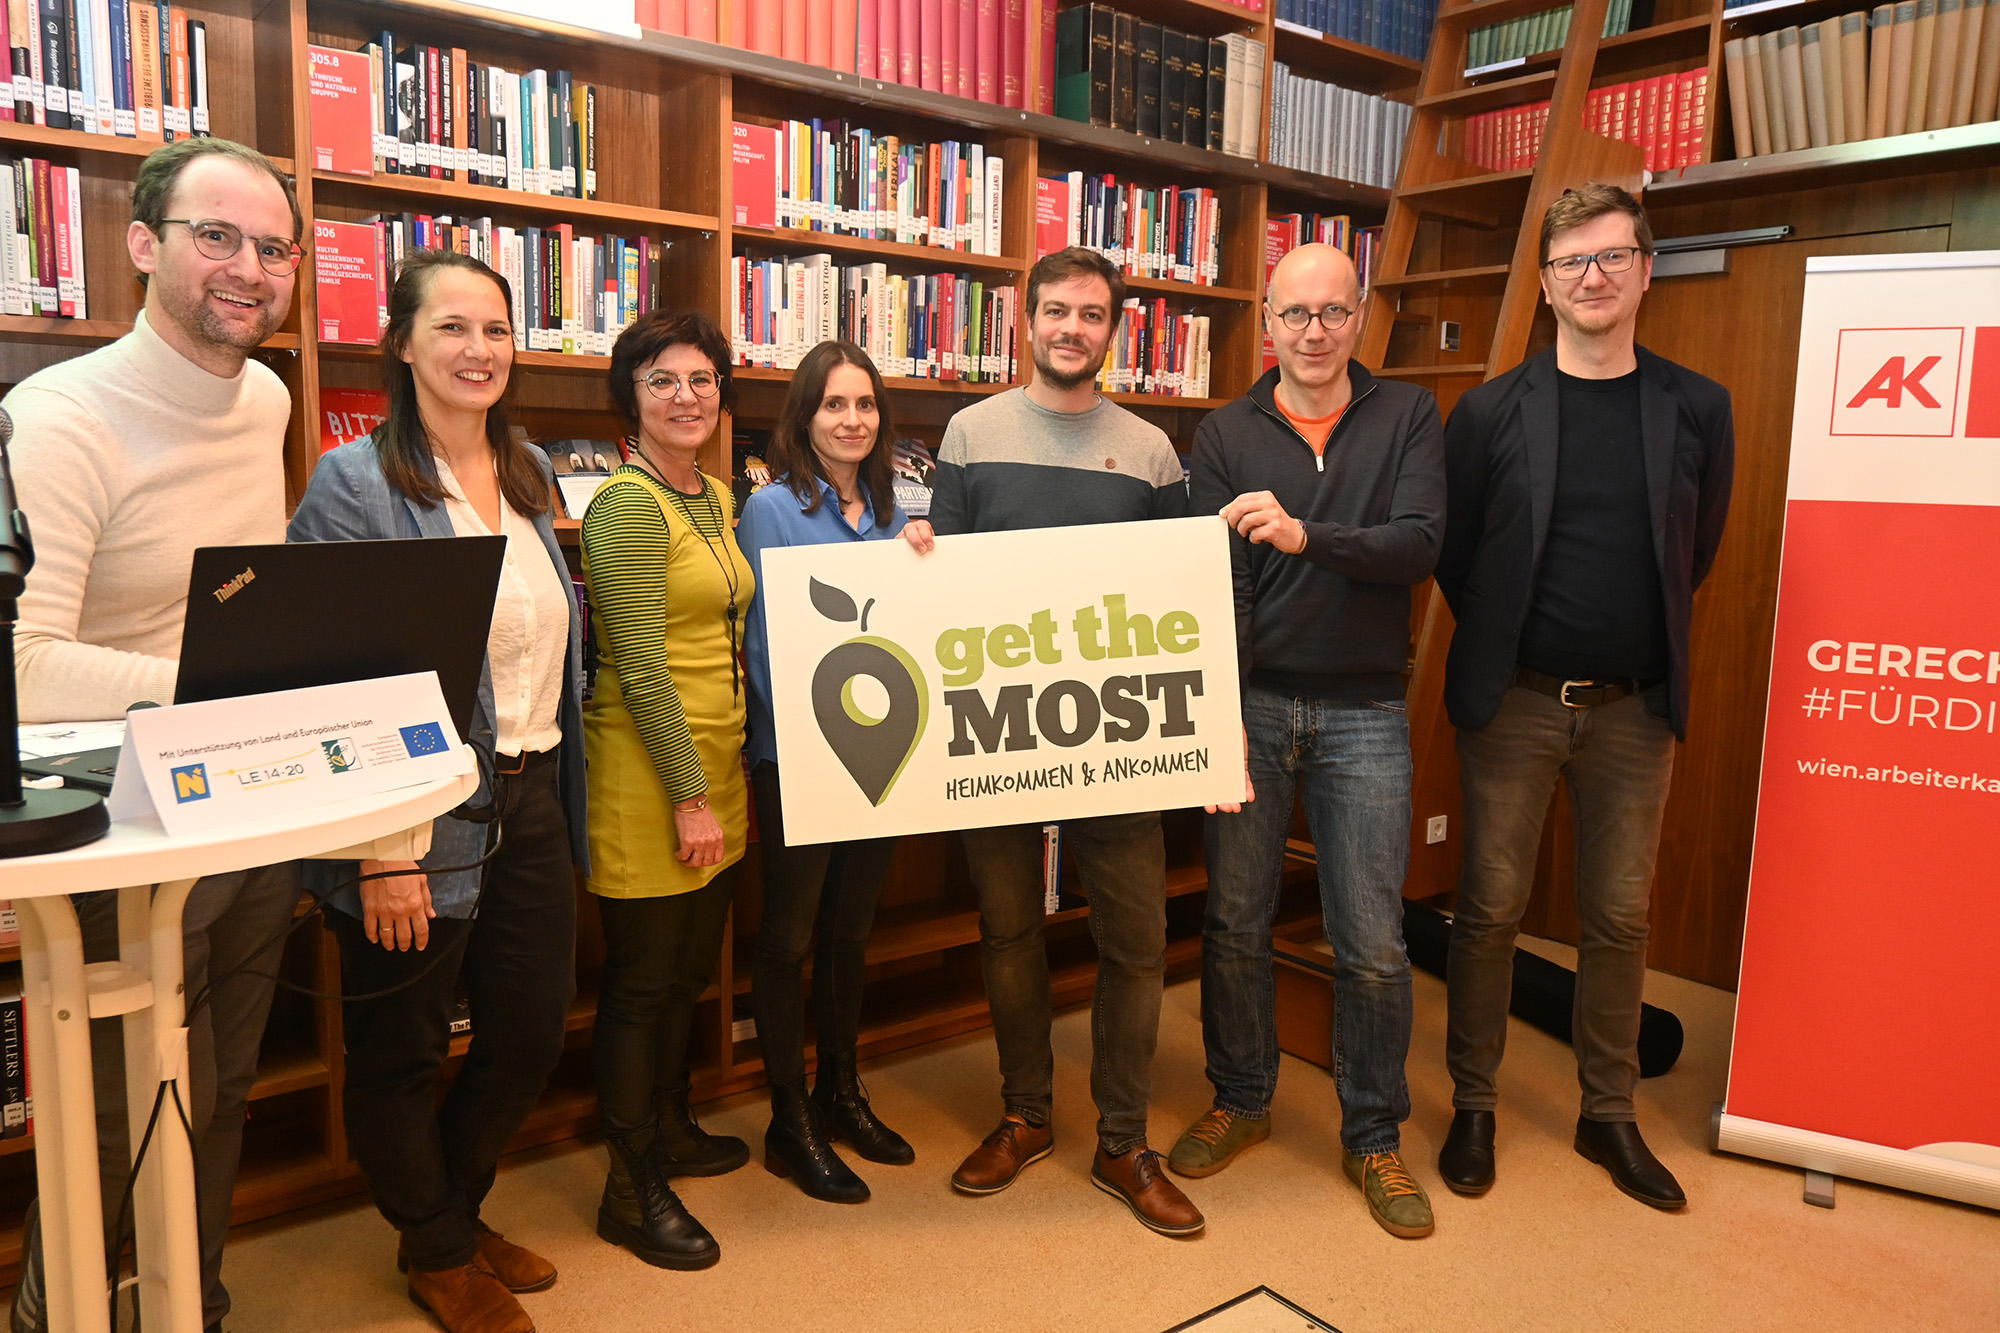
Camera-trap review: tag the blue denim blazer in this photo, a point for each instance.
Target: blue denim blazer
(348, 499)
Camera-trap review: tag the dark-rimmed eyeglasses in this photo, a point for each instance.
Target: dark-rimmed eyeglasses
(1297, 317)
(219, 240)
(1615, 260)
(666, 384)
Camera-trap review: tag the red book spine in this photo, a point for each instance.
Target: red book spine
(845, 15)
(887, 38)
(909, 42)
(767, 22)
(7, 46)
(948, 46)
(986, 65)
(866, 30)
(739, 28)
(434, 131)
(968, 46)
(1045, 76)
(930, 49)
(1698, 114)
(792, 36)
(45, 259)
(1014, 55)
(59, 229)
(701, 20)
(646, 13)
(671, 16)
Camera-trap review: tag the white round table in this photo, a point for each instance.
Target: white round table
(144, 985)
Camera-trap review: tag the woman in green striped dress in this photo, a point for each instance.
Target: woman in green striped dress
(664, 738)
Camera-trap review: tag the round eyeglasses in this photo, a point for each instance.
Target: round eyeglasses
(1297, 317)
(666, 384)
(220, 240)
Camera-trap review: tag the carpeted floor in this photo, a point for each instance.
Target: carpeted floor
(1553, 1247)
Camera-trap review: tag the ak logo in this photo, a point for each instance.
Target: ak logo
(340, 756)
(190, 783)
(873, 750)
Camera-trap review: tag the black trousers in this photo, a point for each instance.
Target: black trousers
(659, 956)
(430, 1165)
(837, 883)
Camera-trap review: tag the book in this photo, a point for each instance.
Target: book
(754, 160)
(1854, 73)
(1044, 100)
(1774, 93)
(1218, 91)
(1944, 64)
(1880, 21)
(1791, 72)
(343, 119)
(1965, 78)
(986, 52)
(1125, 73)
(1811, 77)
(346, 415)
(1146, 39)
(1072, 63)
(344, 274)
(1739, 97)
(1194, 90)
(1902, 54)
(1014, 54)
(1173, 85)
(1923, 39)
(1986, 97)
(14, 1121)
(1827, 47)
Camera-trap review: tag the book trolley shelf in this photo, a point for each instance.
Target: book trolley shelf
(1453, 249)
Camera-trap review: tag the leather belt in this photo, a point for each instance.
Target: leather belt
(1579, 693)
(513, 765)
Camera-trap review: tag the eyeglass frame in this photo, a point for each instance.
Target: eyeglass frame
(194, 225)
(1311, 315)
(715, 384)
(1598, 259)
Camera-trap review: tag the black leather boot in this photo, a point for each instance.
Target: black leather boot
(641, 1213)
(1466, 1160)
(1617, 1147)
(796, 1145)
(681, 1147)
(31, 1302)
(844, 1108)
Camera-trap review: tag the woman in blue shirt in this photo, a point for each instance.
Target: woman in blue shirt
(830, 461)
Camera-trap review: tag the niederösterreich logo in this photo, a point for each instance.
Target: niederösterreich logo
(874, 750)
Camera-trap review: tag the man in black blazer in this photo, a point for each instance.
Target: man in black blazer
(1586, 492)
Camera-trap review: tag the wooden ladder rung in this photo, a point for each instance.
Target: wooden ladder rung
(1474, 371)
(1448, 277)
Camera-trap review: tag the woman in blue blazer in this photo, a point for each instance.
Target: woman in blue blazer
(445, 463)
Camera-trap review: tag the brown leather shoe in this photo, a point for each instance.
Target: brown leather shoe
(517, 1267)
(1135, 1177)
(469, 1299)
(994, 1163)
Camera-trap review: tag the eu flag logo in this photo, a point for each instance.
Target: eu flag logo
(425, 738)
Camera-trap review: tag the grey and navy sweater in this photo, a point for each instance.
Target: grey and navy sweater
(1007, 464)
(1334, 621)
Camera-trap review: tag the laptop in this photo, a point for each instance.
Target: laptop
(288, 616)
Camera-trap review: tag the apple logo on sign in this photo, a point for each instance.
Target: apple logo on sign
(874, 750)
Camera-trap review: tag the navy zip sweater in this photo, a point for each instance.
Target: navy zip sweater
(1334, 621)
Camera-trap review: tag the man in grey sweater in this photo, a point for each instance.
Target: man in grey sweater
(1054, 454)
(125, 461)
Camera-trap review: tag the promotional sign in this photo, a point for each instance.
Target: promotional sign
(208, 765)
(1004, 678)
(1867, 1038)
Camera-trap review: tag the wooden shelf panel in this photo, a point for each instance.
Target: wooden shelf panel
(1482, 12)
(1488, 198)
(47, 329)
(289, 1072)
(42, 139)
(1678, 40)
(1485, 274)
(19, 1143)
(1191, 291)
(458, 198)
(1838, 165)
(771, 375)
(1350, 64)
(1478, 97)
(794, 242)
(1431, 372)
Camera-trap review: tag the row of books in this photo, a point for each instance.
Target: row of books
(1173, 233)
(1334, 131)
(944, 326)
(130, 68)
(41, 225)
(1532, 34)
(1285, 232)
(17, 1103)
(1401, 27)
(1157, 350)
(964, 48)
(829, 176)
(1123, 72)
(432, 111)
(1900, 69)
(1666, 115)
(571, 293)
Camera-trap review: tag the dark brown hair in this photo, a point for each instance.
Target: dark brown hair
(1075, 262)
(792, 454)
(402, 441)
(153, 187)
(653, 334)
(1588, 202)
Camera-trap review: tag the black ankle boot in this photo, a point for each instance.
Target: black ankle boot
(641, 1213)
(844, 1108)
(681, 1147)
(796, 1145)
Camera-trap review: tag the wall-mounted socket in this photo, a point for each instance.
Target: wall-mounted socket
(1434, 830)
(1448, 335)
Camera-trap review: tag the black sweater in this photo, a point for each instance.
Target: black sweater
(1333, 622)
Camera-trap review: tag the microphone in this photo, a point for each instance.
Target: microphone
(31, 822)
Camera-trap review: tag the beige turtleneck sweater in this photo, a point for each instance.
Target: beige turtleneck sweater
(125, 460)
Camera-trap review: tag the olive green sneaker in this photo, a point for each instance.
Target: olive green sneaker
(1213, 1141)
(1394, 1197)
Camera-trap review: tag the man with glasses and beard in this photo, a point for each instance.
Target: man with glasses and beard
(1055, 454)
(125, 460)
(1333, 481)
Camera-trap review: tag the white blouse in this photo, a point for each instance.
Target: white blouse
(530, 631)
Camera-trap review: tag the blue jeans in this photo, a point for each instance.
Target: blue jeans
(1355, 764)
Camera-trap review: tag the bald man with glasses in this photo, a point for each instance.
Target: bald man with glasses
(1332, 482)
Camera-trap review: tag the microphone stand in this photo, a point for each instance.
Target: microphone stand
(31, 821)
